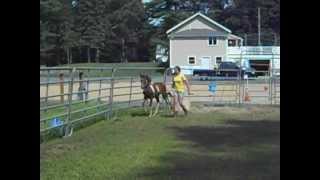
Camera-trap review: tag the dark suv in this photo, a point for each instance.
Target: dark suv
(226, 69)
(231, 69)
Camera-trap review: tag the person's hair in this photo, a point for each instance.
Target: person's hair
(179, 69)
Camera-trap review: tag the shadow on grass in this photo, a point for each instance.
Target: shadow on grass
(240, 150)
(167, 115)
(142, 113)
(139, 114)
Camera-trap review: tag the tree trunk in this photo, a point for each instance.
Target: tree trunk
(122, 50)
(71, 56)
(275, 39)
(59, 56)
(124, 58)
(88, 54)
(98, 56)
(80, 54)
(68, 58)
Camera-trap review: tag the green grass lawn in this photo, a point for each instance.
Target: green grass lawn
(131, 64)
(219, 143)
(93, 106)
(120, 72)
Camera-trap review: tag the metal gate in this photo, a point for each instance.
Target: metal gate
(260, 89)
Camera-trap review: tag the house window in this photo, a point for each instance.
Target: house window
(212, 41)
(231, 43)
(191, 60)
(218, 60)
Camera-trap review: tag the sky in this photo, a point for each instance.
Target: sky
(155, 22)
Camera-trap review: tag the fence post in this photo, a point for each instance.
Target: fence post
(100, 85)
(271, 79)
(275, 90)
(47, 89)
(130, 95)
(240, 78)
(80, 89)
(111, 97)
(61, 78)
(111, 92)
(87, 89)
(68, 129)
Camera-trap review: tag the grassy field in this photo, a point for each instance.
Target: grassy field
(221, 143)
(131, 64)
(129, 72)
(91, 107)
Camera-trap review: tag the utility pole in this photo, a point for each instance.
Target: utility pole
(98, 55)
(123, 55)
(275, 39)
(245, 39)
(259, 40)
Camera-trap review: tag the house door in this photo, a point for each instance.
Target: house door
(206, 62)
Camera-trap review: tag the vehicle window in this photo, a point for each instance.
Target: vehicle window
(222, 65)
(228, 65)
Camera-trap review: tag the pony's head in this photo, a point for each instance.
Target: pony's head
(145, 80)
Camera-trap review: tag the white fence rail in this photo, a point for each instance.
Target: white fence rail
(253, 50)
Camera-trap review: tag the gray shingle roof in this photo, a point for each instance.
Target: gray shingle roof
(199, 33)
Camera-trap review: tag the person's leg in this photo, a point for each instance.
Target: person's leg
(87, 94)
(180, 100)
(80, 95)
(84, 95)
(174, 104)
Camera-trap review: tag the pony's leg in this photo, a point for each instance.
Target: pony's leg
(157, 106)
(143, 105)
(151, 105)
(166, 99)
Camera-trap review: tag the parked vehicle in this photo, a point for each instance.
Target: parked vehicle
(226, 69)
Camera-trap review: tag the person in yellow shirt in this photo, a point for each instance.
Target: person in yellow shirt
(180, 82)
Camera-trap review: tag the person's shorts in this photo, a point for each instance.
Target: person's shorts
(179, 99)
(179, 94)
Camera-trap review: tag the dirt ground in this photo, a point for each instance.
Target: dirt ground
(204, 108)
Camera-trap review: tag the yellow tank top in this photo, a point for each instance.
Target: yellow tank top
(179, 82)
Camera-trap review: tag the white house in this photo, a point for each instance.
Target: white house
(199, 42)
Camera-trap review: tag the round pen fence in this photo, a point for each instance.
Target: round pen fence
(72, 95)
(68, 97)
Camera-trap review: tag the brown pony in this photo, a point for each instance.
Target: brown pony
(153, 90)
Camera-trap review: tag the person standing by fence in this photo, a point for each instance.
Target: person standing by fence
(179, 84)
(82, 88)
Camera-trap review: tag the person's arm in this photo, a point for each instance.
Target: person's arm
(173, 85)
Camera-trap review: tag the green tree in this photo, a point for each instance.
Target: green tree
(241, 17)
(92, 24)
(56, 35)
